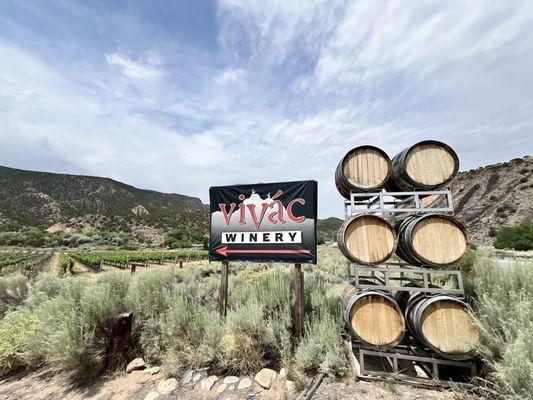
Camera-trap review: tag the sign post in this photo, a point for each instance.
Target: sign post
(223, 290)
(265, 222)
(298, 301)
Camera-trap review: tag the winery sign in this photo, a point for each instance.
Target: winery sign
(267, 222)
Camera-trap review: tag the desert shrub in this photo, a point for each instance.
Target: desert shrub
(13, 292)
(45, 287)
(15, 329)
(73, 322)
(517, 237)
(63, 340)
(320, 348)
(148, 294)
(503, 300)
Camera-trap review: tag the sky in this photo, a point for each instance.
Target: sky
(177, 96)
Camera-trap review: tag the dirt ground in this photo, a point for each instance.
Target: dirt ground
(137, 385)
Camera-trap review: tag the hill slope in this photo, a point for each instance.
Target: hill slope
(488, 198)
(45, 199)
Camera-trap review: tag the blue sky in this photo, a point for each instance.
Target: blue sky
(180, 96)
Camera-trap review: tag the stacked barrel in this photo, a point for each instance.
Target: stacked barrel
(378, 317)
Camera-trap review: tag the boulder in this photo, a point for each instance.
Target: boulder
(167, 386)
(221, 388)
(207, 384)
(197, 377)
(265, 378)
(245, 383)
(152, 370)
(151, 396)
(282, 373)
(231, 380)
(136, 364)
(187, 378)
(291, 387)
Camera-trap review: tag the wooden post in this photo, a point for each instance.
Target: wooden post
(119, 341)
(181, 264)
(133, 267)
(223, 291)
(298, 301)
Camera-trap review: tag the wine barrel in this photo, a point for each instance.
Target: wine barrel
(427, 165)
(367, 239)
(362, 169)
(372, 316)
(441, 322)
(435, 240)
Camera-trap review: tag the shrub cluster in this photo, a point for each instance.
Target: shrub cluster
(517, 237)
(503, 304)
(64, 324)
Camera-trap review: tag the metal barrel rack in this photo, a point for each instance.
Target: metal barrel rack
(409, 361)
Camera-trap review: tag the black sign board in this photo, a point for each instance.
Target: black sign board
(266, 222)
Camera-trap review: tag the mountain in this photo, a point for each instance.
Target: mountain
(489, 198)
(74, 202)
(329, 226)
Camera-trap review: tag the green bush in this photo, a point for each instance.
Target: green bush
(518, 237)
(503, 303)
(15, 329)
(13, 292)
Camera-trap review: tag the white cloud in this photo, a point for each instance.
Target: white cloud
(136, 70)
(229, 76)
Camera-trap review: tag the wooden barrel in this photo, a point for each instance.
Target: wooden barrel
(435, 240)
(367, 239)
(427, 165)
(362, 169)
(441, 322)
(372, 316)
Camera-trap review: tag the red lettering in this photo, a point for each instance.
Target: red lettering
(290, 213)
(241, 218)
(227, 216)
(251, 207)
(276, 214)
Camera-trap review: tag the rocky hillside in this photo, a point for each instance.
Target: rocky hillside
(74, 202)
(494, 196)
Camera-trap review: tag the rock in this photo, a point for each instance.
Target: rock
(136, 364)
(187, 378)
(245, 383)
(265, 377)
(152, 370)
(282, 373)
(166, 386)
(197, 377)
(151, 396)
(221, 388)
(291, 387)
(208, 383)
(230, 380)
(231, 387)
